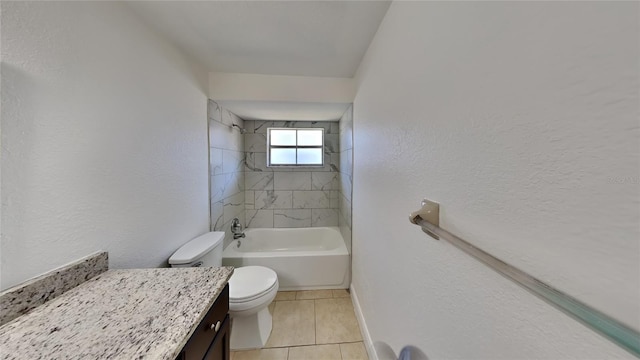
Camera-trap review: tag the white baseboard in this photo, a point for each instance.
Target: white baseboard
(366, 337)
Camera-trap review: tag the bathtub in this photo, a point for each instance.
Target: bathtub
(303, 258)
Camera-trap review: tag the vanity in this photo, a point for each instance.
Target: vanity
(162, 313)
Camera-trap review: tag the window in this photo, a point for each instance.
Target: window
(295, 147)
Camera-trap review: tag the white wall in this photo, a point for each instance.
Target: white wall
(521, 119)
(104, 139)
(258, 87)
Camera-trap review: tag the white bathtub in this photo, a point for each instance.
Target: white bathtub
(303, 258)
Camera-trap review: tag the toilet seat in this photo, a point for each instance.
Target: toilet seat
(252, 296)
(257, 296)
(250, 283)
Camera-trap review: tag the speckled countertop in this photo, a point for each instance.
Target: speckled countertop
(119, 314)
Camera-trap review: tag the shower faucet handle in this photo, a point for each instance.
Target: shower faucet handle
(236, 227)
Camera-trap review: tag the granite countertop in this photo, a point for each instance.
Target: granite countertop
(119, 314)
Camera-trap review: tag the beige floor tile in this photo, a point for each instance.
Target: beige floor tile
(317, 352)
(261, 354)
(336, 321)
(340, 293)
(293, 324)
(313, 294)
(353, 351)
(285, 295)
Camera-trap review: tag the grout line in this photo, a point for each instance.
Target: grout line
(302, 345)
(315, 324)
(307, 345)
(280, 347)
(336, 343)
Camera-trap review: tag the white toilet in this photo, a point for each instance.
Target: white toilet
(251, 290)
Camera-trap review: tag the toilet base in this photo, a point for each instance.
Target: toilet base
(250, 332)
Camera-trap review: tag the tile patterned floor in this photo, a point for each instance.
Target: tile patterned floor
(311, 325)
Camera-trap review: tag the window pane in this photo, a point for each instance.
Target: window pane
(310, 137)
(282, 156)
(310, 156)
(282, 137)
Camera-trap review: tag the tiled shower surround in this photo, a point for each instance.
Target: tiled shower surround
(346, 175)
(243, 186)
(290, 197)
(226, 167)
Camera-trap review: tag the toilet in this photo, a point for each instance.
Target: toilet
(251, 290)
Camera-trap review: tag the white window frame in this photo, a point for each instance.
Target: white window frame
(269, 147)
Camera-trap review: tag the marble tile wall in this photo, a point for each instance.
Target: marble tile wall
(290, 197)
(345, 186)
(226, 167)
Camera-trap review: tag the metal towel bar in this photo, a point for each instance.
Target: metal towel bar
(428, 218)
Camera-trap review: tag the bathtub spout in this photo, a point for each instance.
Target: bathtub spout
(236, 229)
(238, 236)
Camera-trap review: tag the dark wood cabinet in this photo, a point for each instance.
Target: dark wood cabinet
(210, 340)
(219, 349)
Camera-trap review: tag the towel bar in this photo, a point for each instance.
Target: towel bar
(428, 217)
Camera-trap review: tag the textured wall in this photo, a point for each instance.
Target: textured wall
(521, 119)
(286, 197)
(226, 166)
(103, 139)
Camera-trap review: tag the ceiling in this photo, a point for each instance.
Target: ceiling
(303, 38)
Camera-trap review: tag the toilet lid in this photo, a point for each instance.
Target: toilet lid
(248, 282)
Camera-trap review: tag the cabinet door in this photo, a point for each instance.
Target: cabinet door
(205, 333)
(219, 349)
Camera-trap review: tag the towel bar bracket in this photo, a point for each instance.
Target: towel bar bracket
(430, 212)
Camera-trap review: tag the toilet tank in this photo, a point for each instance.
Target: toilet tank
(205, 250)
